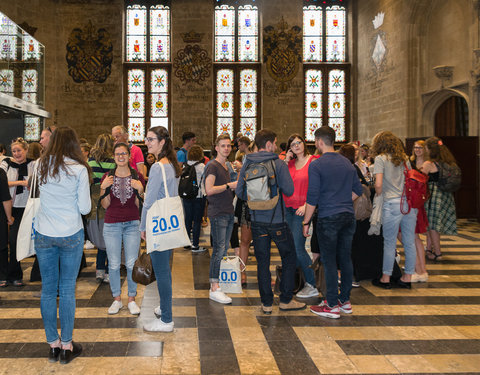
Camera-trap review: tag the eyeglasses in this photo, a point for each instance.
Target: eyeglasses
(295, 144)
(418, 147)
(121, 154)
(18, 139)
(150, 139)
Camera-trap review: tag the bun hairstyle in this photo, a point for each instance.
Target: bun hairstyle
(437, 151)
(21, 142)
(167, 149)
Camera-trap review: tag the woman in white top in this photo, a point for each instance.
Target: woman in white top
(62, 175)
(18, 168)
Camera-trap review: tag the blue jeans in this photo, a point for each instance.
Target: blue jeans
(303, 259)
(59, 260)
(114, 234)
(263, 234)
(193, 215)
(335, 234)
(392, 220)
(221, 228)
(161, 267)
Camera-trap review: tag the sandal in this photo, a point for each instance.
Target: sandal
(432, 256)
(3, 283)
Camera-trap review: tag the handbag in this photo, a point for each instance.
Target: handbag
(299, 280)
(230, 274)
(143, 272)
(415, 189)
(362, 206)
(26, 230)
(165, 226)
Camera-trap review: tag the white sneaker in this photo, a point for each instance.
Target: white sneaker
(99, 275)
(115, 308)
(219, 296)
(422, 278)
(106, 279)
(198, 249)
(308, 291)
(133, 308)
(157, 325)
(88, 245)
(157, 312)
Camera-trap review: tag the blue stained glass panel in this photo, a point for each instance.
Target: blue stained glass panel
(224, 48)
(247, 20)
(248, 48)
(312, 49)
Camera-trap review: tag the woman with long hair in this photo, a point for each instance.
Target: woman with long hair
(18, 168)
(442, 217)
(390, 162)
(159, 143)
(121, 192)
(298, 160)
(101, 162)
(63, 179)
(418, 158)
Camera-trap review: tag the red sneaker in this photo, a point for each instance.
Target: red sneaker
(324, 310)
(345, 307)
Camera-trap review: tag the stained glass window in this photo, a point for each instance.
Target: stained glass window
(136, 80)
(30, 80)
(159, 97)
(313, 102)
(335, 32)
(336, 103)
(225, 104)
(248, 33)
(224, 33)
(8, 39)
(136, 104)
(159, 33)
(6, 81)
(136, 129)
(31, 48)
(312, 33)
(32, 128)
(136, 33)
(225, 126)
(225, 80)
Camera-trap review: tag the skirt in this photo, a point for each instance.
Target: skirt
(441, 213)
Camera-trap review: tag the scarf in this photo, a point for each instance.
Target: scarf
(22, 172)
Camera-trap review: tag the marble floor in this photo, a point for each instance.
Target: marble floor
(433, 328)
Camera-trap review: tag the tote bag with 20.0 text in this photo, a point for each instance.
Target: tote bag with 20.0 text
(165, 226)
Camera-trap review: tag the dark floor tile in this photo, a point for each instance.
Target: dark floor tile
(462, 346)
(8, 323)
(202, 286)
(457, 320)
(288, 366)
(273, 321)
(216, 348)
(121, 322)
(240, 301)
(25, 323)
(184, 322)
(431, 347)
(146, 349)
(292, 348)
(393, 347)
(10, 350)
(214, 365)
(210, 334)
(206, 321)
(357, 347)
(23, 303)
(33, 350)
(183, 301)
(279, 333)
(409, 320)
(110, 349)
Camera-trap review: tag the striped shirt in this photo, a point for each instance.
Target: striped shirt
(99, 169)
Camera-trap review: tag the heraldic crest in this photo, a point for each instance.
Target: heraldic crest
(282, 52)
(192, 64)
(89, 54)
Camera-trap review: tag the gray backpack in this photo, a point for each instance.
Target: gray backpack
(261, 185)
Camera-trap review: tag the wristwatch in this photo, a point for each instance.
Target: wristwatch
(227, 187)
(304, 223)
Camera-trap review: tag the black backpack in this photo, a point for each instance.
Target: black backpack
(449, 177)
(188, 185)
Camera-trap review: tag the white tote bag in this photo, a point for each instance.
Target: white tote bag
(165, 226)
(26, 230)
(230, 279)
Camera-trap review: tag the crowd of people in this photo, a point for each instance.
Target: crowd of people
(102, 194)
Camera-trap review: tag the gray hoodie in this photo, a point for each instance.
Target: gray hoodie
(284, 182)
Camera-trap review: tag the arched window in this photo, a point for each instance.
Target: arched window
(147, 66)
(326, 67)
(237, 70)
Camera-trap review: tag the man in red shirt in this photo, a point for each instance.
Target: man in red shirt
(137, 162)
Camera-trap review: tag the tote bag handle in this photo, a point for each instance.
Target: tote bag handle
(164, 180)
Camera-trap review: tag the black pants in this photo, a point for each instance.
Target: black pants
(10, 268)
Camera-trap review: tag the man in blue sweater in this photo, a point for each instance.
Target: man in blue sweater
(270, 224)
(333, 185)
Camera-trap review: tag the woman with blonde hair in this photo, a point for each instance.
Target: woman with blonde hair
(442, 217)
(18, 168)
(390, 163)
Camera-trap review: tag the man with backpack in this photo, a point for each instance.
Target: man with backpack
(189, 139)
(262, 181)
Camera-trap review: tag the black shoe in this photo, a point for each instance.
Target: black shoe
(403, 284)
(66, 356)
(378, 283)
(53, 354)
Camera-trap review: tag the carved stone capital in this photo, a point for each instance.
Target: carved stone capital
(443, 73)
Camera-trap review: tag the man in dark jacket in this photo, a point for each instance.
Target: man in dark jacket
(270, 224)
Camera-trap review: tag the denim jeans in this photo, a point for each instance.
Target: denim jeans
(335, 234)
(221, 228)
(263, 234)
(59, 259)
(114, 234)
(303, 259)
(161, 267)
(193, 217)
(392, 220)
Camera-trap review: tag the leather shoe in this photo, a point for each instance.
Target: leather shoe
(378, 283)
(66, 356)
(53, 354)
(403, 284)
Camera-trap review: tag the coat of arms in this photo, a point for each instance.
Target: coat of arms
(192, 64)
(89, 54)
(282, 51)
